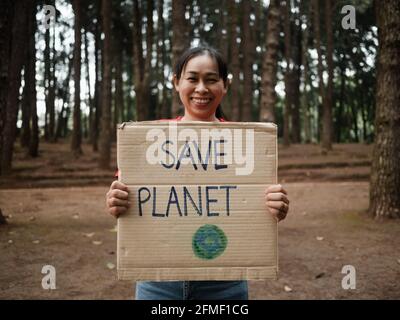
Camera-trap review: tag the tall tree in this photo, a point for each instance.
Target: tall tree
(77, 127)
(288, 72)
(385, 171)
(142, 64)
(295, 134)
(248, 59)
(304, 16)
(30, 82)
(270, 63)
(94, 134)
(18, 40)
(234, 61)
(180, 42)
(105, 132)
(326, 141)
(7, 9)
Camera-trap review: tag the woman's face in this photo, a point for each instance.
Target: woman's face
(200, 88)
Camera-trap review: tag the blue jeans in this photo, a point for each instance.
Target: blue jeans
(192, 290)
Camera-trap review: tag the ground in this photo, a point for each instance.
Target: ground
(56, 216)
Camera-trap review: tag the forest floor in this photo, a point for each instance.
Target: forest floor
(56, 216)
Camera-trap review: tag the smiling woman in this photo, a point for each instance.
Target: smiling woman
(200, 87)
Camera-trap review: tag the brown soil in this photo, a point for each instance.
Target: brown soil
(56, 216)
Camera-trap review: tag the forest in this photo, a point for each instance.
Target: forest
(327, 72)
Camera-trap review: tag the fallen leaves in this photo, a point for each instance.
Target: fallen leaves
(36, 241)
(319, 238)
(97, 243)
(287, 289)
(89, 235)
(110, 265)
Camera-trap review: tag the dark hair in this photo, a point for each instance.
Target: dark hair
(199, 51)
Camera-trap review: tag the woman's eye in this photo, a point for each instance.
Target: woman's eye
(212, 80)
(191, 79)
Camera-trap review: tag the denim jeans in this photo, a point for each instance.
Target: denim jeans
(192, 290)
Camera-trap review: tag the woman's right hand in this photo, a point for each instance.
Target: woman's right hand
(117, 199)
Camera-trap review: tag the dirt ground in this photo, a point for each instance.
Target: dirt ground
(56, 216)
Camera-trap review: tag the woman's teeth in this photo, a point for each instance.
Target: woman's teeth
(201, 101)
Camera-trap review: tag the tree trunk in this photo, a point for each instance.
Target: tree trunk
(295, 82)
(288, 74)
(235, 63)
(223, 32)
(339, 113)
(326, 141)
(25, 106)
(65, 95)
(47, 82)
(304, 57)
(385, 171)
(270, 64)
(317, 36)
(248, 59)
(142, 65)
(6, 19)
(180, 42)
(77, 127)
(19, 37)
(164, 108)
(97, 87)
(105, 132)
(30, 82)
(89, 97)
(52, 89)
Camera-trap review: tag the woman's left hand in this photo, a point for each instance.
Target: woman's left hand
(277, 201)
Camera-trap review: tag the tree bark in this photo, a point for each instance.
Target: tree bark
(77, 127)
(326, 141)
(235, 63)
(142, 64)
(105, 132)
(6, 20)
(19, 37)
(52, 88)
(317, 36)
(97, 88)
(288, 74)
(270, 65)
(304, 57)
(180, 42)
(30, 82)
(248, 59)
(385, 171)
(295, 82)
(89, 96)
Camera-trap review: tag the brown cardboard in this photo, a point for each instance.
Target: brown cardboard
(160, 242)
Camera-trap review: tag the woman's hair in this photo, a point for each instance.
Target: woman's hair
(199, 51)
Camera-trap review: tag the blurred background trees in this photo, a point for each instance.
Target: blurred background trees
(100, 63)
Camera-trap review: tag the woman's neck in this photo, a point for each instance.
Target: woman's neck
(188, 117)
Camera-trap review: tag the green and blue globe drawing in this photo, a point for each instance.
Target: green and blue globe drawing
(209, 242)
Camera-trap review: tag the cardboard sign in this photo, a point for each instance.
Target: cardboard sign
(197, 193)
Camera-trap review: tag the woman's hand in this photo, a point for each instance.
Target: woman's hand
(277, 201)
(117, 199)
